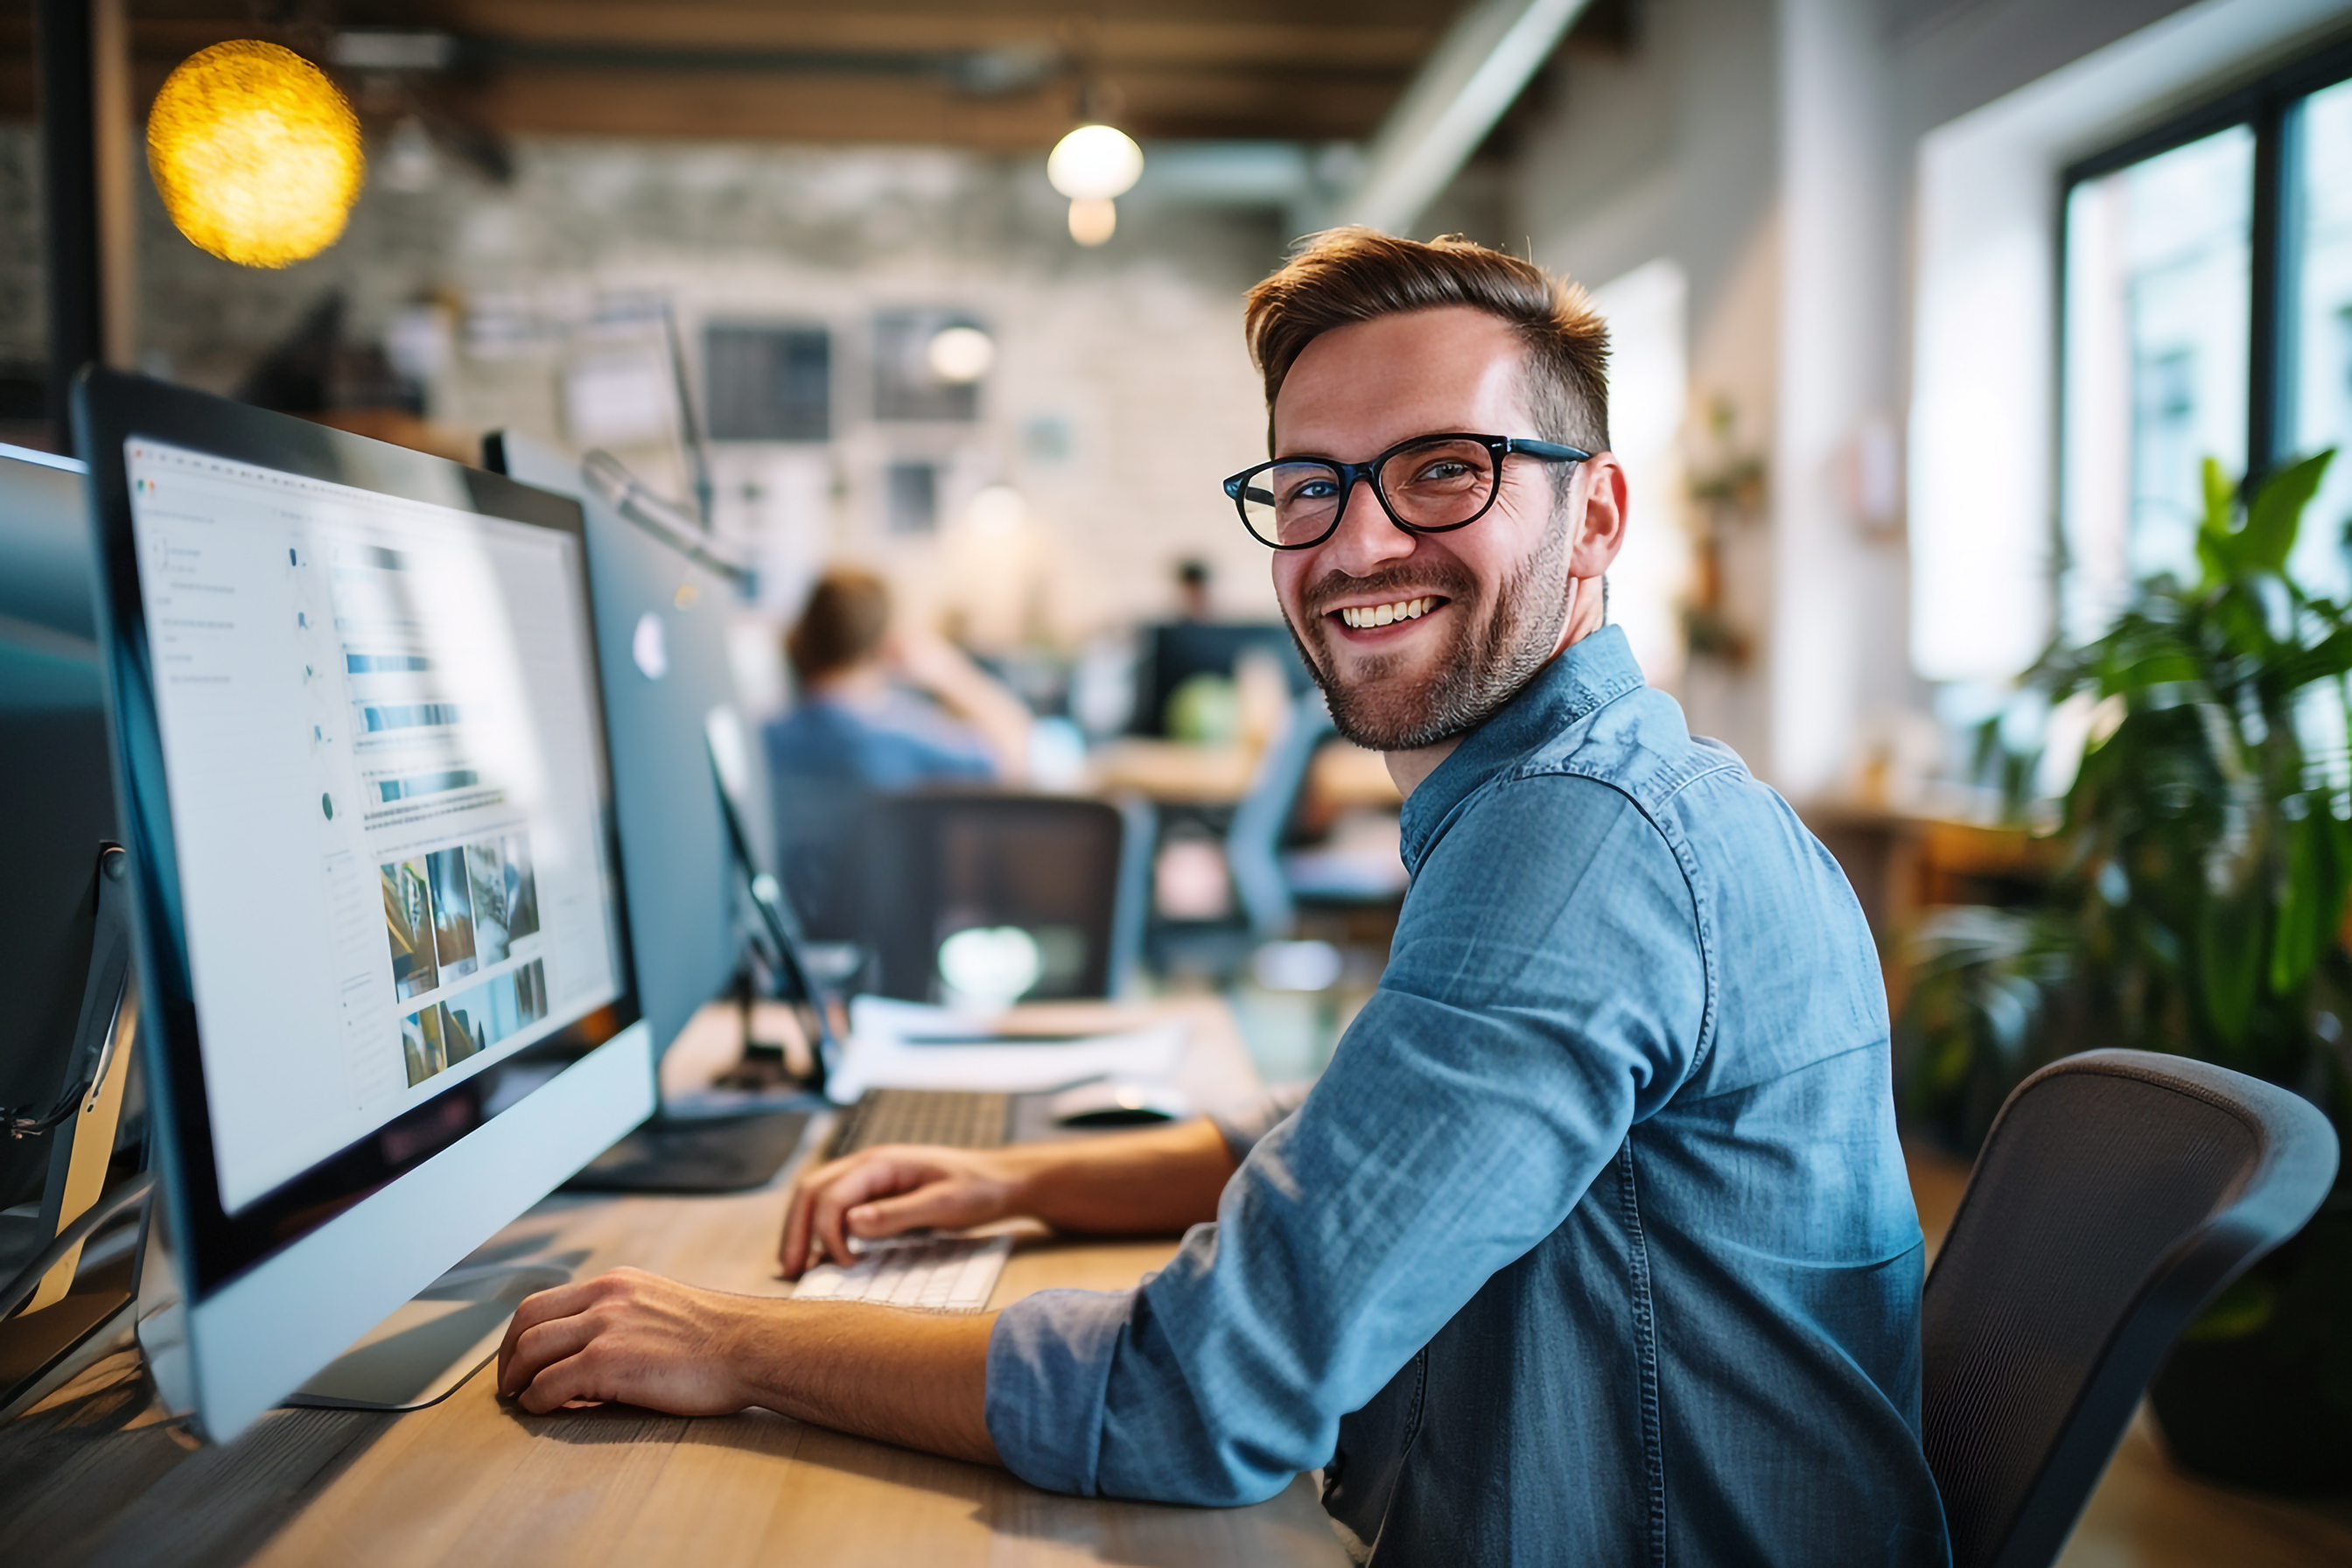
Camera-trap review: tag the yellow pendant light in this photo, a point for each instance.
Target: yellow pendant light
(256, 153)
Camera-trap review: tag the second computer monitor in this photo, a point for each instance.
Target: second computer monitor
(661, 606)
(56, 809)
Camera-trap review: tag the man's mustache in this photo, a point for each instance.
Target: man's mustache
(1402, 582)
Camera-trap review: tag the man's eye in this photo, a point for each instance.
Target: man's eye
(1445, 472)
(1311, 490)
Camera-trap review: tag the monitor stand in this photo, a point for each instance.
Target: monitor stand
(419, 1355)
(733, 1152)
(675, 1153)
(66, 1292)
(718, 1152)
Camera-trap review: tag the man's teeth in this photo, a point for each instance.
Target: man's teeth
(1364, 616)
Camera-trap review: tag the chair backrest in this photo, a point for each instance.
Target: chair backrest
(817, 828)
(1254, 840)
(1059, 867)
(2115, 1195)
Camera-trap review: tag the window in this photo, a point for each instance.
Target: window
(2319, 317)
(907, 382)
(2208, 312)
(769, 384)
(910, 496)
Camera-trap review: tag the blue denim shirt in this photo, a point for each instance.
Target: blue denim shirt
(1594, 1244)
(897, 745)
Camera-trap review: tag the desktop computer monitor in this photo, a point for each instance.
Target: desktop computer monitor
(661, 607)
(662, 598)
(68, 1150)
(57, 801)
(360, 748)
(1175, 651)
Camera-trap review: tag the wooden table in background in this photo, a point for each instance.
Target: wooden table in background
(97, 1474)
(1173, 773)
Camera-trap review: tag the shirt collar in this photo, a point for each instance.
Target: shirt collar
(1574, 684)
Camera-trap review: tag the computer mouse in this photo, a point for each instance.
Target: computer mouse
(1110, 1103)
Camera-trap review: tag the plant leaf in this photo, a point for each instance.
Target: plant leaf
(2324, 660)
(2216, 549)
(2276, 515)
(2311, 909)
(2229, 963)
(2218, 495)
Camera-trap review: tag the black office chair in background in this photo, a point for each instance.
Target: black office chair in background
(2116, 1194)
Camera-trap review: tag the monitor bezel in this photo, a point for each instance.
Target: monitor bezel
(216, 1246)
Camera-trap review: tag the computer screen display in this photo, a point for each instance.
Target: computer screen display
(378, 721)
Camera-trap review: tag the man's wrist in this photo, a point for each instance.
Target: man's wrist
(1028, 1172)
(917, 1379)
(755, 1348)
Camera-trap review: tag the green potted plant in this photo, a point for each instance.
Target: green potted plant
(2205, 864)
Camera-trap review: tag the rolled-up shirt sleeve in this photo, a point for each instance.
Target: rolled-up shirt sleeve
(1243, 1127)
(1546, 988)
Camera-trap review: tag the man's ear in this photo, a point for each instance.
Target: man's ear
(1601, 525)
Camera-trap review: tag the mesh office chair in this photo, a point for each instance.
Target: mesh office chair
(2116, 1194)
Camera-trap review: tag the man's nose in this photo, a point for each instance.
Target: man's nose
(1366, 539)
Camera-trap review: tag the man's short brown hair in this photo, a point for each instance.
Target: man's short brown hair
(1344, 276)
(848, 614)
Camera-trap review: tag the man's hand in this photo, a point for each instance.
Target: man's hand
(893, 1189)
(920, 1379)
(631, 1337)
(1135, 1184)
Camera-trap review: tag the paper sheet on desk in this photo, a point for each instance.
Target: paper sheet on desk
(886, 1050)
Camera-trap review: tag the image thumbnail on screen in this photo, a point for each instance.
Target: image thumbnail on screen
(434, 1039)
(450, 914)
(456, 910)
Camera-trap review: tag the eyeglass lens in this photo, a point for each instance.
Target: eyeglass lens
(1433, 484)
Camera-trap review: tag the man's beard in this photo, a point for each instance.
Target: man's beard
(1487, 663)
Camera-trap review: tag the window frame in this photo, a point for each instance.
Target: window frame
(2266, 105)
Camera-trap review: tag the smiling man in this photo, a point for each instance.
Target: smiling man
(1594, 1244)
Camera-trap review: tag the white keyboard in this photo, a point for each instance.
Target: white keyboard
(953, 1275)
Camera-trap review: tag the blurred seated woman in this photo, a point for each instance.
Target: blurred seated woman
(884, 709)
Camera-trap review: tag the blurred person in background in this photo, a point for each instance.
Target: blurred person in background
(1193, 600)
(888, 707)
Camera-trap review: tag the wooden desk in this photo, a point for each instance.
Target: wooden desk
(97, 1475)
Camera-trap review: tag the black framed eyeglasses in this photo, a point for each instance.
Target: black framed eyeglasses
(1429, 484)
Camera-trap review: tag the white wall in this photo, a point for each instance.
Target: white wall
(1838, 575)
(1854, 269)
(1134, 352)
(1668, 153)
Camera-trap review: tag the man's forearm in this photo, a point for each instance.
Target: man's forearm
(1139, 1182)
(914, 1379)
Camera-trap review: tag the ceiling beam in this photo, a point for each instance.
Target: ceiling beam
(991, 74)
(1473, 77)
(898, 109)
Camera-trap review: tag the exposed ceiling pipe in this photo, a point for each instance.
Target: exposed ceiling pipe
(1477, 72)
